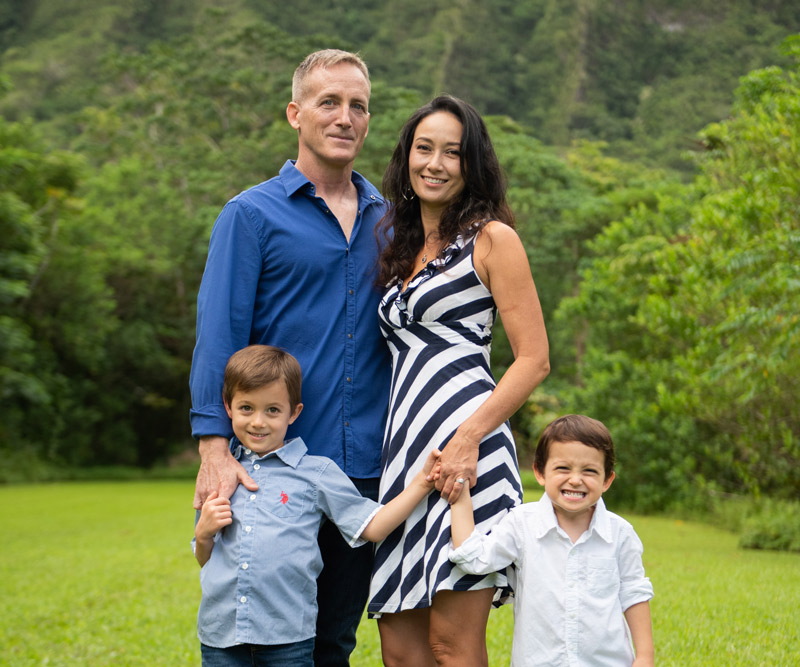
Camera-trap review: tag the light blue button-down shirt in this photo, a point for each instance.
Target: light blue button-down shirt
(260, 584)
(281, 272)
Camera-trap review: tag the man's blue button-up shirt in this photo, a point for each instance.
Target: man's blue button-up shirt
(280, 271)
(260, 583)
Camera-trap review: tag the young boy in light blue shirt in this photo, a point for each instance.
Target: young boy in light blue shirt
(258, 551)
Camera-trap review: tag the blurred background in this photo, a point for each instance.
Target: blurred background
(652, 150)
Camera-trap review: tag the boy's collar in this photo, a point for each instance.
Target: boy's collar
(292, 451)
(600, 523)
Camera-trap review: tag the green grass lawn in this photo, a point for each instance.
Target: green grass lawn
(101, 574)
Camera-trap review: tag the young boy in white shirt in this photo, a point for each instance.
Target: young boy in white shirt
(579, 566)
(258, 551)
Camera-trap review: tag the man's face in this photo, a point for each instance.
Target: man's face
(332, 118)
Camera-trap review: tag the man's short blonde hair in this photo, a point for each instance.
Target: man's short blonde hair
(325, 58)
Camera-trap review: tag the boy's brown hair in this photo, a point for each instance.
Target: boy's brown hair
(575, 428)
(257, 366)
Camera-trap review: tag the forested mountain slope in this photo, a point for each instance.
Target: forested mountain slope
(644, 75)
(670, 295)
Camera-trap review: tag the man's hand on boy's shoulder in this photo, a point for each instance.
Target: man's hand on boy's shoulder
(219, 471)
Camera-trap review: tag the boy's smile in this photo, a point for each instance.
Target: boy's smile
(260, 417)
(574, 479)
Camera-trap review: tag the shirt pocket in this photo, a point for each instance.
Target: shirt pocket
(603, 576)
(286, 498)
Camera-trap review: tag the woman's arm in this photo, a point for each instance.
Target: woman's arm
(502, 265)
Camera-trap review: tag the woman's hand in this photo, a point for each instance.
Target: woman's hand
(459, 461)
(502, 265)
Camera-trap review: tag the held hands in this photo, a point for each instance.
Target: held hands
(459, 461)
(430, 471)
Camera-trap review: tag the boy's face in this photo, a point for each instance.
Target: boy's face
(574, 478)
(260, 417)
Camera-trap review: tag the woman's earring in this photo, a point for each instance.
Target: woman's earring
(408, 192)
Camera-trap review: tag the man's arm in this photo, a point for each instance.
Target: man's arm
(225, 307)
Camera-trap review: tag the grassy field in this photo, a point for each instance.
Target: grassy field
(101, 574)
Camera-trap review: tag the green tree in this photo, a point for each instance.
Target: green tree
(691, 347)
(55, 312)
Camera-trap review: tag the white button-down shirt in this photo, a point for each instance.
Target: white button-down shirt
(570, 598)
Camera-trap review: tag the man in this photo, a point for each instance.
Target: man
(291, 263)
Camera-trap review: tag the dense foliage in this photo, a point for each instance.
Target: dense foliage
(691, 311)
(670, 297)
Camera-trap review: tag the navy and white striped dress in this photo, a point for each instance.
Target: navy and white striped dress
(439, 332)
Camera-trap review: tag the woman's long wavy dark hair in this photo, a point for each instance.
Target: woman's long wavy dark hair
(483, 198)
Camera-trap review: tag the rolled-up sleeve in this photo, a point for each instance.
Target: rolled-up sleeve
(634, 587)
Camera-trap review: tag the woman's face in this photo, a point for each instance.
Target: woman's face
(434, 163)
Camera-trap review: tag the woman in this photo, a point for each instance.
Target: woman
(452, 261)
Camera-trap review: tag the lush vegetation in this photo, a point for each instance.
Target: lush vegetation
(106, 570)
(693, 306)
(670, 285)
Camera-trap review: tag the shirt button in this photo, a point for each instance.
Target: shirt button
(349, 335)
(252, 496)
(243, 599)
(246, 451)
(372, 197)
(347, 423)
(349, 379)
(244, 566)
(351, 291)
(248, 529)
(256, 467)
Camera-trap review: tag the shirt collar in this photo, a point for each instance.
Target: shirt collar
(294, 180)
(600, 523)
(546, 517)
(292, 451)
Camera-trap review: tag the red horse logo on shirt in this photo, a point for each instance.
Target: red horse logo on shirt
(284, 498)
